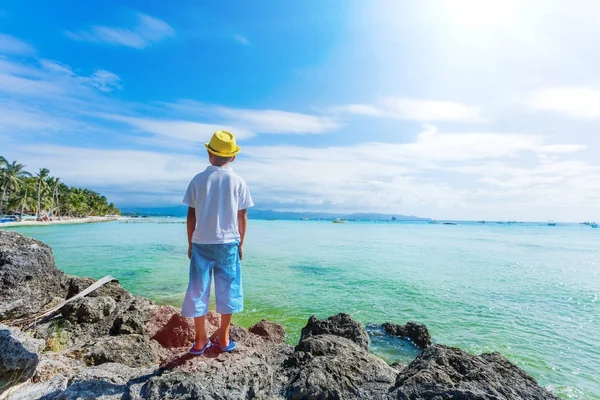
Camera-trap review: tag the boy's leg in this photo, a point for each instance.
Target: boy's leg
(195, 304)
(223, 335)
(228, 288)
(201, 338)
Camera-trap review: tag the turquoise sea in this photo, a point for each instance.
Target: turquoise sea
(529, 291)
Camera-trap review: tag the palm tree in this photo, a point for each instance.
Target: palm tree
(41, 178)
(12, 177)
(27, 202)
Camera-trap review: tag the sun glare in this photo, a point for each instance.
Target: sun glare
(481, 15)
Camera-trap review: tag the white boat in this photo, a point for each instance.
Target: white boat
(339, 221)
(551, 223)
(593, 224)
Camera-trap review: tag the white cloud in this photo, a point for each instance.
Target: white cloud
(261, 121)
(411, 109)
(275, 121)
(148, 30)
(575, 102)
(190, 131)
(363, 109)
(51, 79)
(241, 40)
(56, 67)
(105, 81)
(11, 45)
(32, 87)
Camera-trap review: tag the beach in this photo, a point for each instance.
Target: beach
(528, 291)
(62, 221)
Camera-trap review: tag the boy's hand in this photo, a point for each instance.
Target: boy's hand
(241, 250)
(190, 251)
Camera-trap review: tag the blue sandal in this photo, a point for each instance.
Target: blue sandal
(195, 352)
(227, 349)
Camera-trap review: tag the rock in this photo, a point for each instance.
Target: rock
(18, 355)
(78, 284)
(89, 309)
(340, 325)
(134, 319)
(54, 364)
(46, 390)
(29, 278)
(416, 332)
(93, 389)
(333, 367)
(131, 350)
(441, 372)
(269, 331)
(114, 373)
(159, 317)
(247, 373)
(178, 332)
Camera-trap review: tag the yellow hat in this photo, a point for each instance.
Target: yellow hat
(222, 144)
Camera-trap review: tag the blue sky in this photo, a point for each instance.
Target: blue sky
(466, 109)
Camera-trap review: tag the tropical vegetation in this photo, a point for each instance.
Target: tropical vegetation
(40, 194)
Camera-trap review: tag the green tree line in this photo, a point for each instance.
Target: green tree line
(22, 192)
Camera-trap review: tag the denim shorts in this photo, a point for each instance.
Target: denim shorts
(222, 261)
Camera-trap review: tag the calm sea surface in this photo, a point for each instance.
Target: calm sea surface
(528, 291)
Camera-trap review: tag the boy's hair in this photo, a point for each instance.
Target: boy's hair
(218, 161)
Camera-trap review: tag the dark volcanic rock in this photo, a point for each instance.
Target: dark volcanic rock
(416, 332)
(269, 331)
(441, 372)
(18, 355)
(131, 350)
(332, 367)
(340, 325)
(28, 277)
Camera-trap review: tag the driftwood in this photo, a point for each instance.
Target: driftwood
(31, 321)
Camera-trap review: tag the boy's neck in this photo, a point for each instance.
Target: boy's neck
(221, 166)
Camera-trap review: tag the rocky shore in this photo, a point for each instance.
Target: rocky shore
(114, 345)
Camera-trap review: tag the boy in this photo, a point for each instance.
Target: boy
(218, 200)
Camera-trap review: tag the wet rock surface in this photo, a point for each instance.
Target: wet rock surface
(417, 333)
(339, 325)
(113, 345)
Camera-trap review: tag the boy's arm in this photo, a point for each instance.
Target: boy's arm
(242, 223)
(191, 226)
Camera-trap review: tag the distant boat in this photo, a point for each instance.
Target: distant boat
(482, 222)
(551, 223)
(394, 218)
(433, 221)
(304, 219)
(339, 221)
(450, 223)
(269, 218)
(593, 224)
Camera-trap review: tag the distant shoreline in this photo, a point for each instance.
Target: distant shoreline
(69, 221)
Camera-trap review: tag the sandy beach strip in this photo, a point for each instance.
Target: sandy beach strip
(65, 221)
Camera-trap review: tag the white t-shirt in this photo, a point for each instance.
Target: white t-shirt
(217, 194)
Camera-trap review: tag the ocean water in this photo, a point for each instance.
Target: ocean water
(528, 291)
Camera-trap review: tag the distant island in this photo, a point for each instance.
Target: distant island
(41, 196)
(180, 211)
